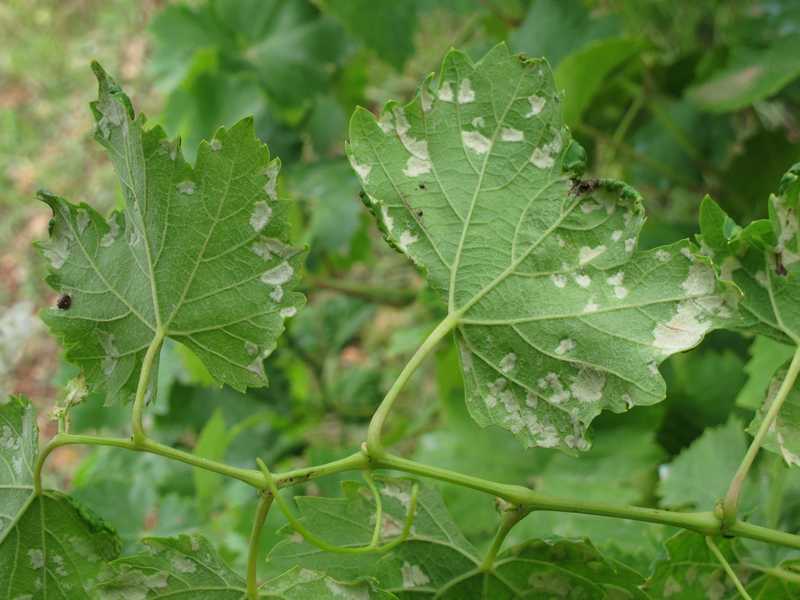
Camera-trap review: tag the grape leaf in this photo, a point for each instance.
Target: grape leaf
(762, 259)
(198, 255)
(751, 76)
(385, 26)
(558, 317)
(766, 357)
(699, 476)
(783, 437)
(350, 520)
(188, 565)
(436, 560)
(691, 571)
(50, 547)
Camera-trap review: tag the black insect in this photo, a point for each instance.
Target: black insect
(422, 186)
(64, 302)
(581, 187)
(779, 268)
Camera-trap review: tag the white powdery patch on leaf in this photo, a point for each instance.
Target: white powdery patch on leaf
(508, 363)
(583, 280)
(476, 141)
(509, 134)
(111, 235)
(615, 281)
(416, 166)
(559, 280)
(271, 186)
(415, 147)
(537, 104)
(278, 275)
(478, 122)
(663, 256)
(388, 221)
(616, 235)
(541, 159)
(413, 576)
(587, 385)
(700, 281)
(186, 187)
(261, 215)
(591, 306)
(465, 92)
(406, 239)
(215, 145)
(564, 346)
(288, 312)
(683, 331)
(446, 91)
(362, 170)
(587, 254)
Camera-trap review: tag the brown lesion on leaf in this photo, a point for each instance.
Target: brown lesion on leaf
(581, 187)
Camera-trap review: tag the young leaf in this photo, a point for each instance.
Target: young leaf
(198, 254)
(558, 317)
(49, 546)
(783, 437)
(763, 259)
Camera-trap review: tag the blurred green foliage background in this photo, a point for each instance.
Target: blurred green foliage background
(679, 99)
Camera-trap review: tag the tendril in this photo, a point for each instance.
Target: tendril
(317, 541)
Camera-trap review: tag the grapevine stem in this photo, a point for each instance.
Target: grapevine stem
(702, 522)
(511, 517)
(255, 535)
(374, 443)
(727, 567)
(150, 359)
(730, 504)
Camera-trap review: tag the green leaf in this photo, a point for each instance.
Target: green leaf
(691, 571)
(699, 476)
(350, 520)
(582, 73)
(385, 26)
(50, 547)
(172, 568)
(302, 584)
(763, 260)
(554, 29)
(212, 444)
(783, 437)
(198, 254)
(766, 357)
(332, 193)
(753, 75)
(437, 561)
(558, 317)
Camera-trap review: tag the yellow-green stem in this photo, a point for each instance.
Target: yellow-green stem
(510, 517)
(255, 535)
(374, 441)
(730, 504)
(150, 359)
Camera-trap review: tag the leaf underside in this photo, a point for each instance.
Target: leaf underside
(198, 254)
(50, 547)
(559, 316)
(436, 560)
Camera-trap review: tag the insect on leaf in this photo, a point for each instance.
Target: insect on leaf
(558, 317)
(198, 254)
(50, 547)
